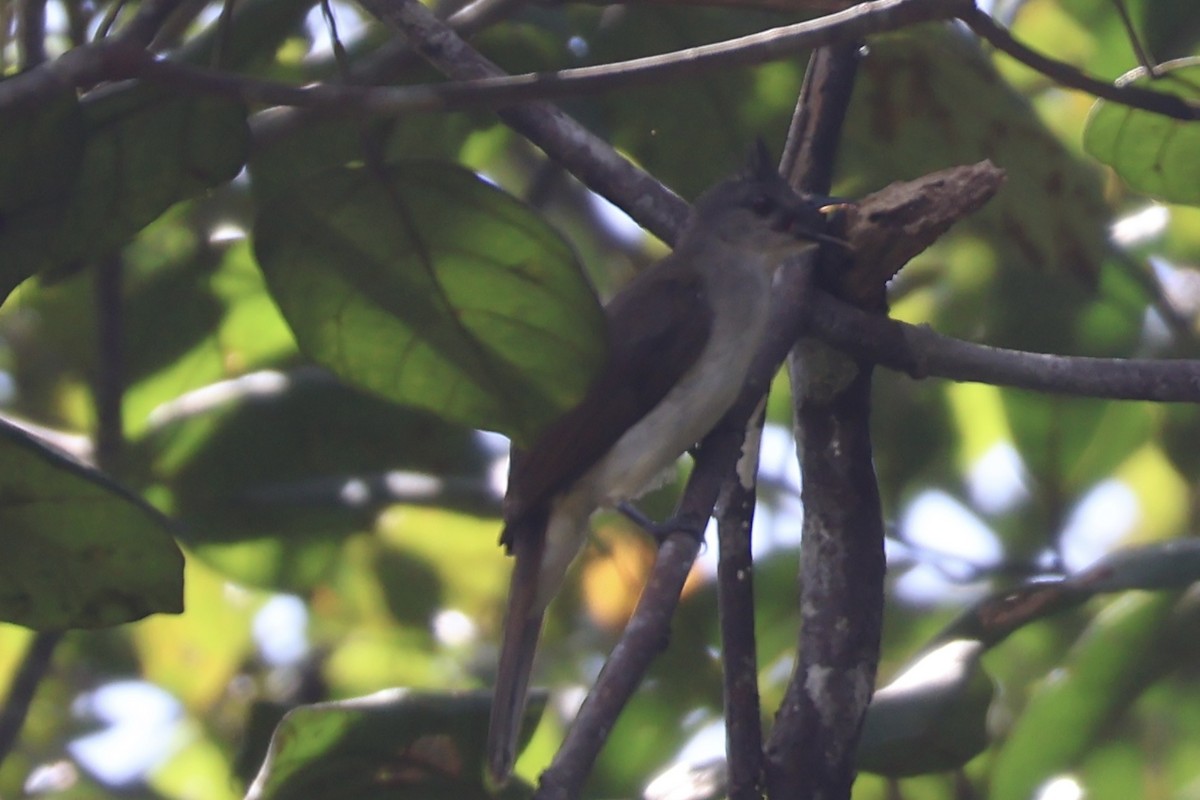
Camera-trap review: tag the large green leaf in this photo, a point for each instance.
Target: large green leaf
(1103, 672)
(425, 284)
(76, 551)
(1153, 153)
(394, 744)
(142, 149)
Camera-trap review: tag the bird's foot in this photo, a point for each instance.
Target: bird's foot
(661, 530)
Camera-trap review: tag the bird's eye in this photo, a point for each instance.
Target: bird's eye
(761, 205)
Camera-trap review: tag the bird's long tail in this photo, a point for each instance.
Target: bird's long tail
(522, 629)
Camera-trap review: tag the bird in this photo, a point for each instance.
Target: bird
(681, 336)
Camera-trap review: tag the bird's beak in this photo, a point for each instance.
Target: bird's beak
(828, 210)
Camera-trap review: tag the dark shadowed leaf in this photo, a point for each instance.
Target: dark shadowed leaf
(424, 284)
(932, 717)
(395, 744)
(142, 149)
(717, 114)
(76, 551)
(1153, 153)
(41, 144)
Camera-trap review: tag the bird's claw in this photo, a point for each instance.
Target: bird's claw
(661, 530)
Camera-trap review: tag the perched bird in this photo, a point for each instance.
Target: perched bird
(681, 338)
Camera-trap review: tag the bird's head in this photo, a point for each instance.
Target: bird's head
(757, 210)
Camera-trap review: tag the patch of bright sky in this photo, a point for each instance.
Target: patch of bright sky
(695, 770)
(57, 776)
(279, 630)
(142, 719)
(1103, 518)
(1140, 226)
(8, 388)
(578, 46)
(453, 628)
(226, 233)
(350, 28)
(996, 481)
(615, 221)
(1181, 286)
(1063, 787)
(951, 543)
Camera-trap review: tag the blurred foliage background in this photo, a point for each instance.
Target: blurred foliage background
(338, 543)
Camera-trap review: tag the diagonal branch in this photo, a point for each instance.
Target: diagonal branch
(1168, 105)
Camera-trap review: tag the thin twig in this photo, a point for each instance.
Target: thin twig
(1135, 41)
(34, 666)
(151, 16)
(31, 20)
(224, 34)
(480, 83)
(644, 637)
(109, 19)
(1168, 105)
(110, 360)
(735, 605)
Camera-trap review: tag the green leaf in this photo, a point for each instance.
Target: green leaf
(1075, 442)
(932, 717)
(142, 149)
(41, 146)
(1152, 153)
(717, 114)
(394, 744)
(1070, 710)
(77, 551)
(146, 150)
(426, 285)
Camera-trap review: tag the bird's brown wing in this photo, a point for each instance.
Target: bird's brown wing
(657, 327)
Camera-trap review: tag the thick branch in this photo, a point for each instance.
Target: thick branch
(811, 748)
(922, 352)
(808, 160)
